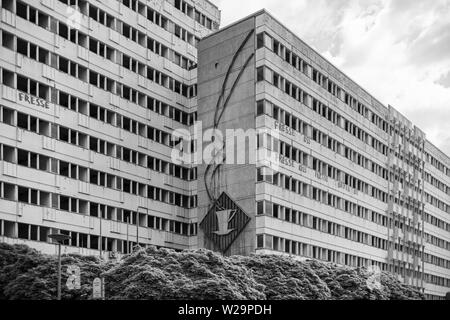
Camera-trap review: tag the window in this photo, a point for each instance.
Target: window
(22, 120)
(260, 241)
(22, 47)
(260, 207)
(64, 203)
(8, 40)
(276, 80)
(22, 158)
(177, 31)
(23, 230)
(64, 134)
(260, 107)
(260, 74)
(21, 9)
(8, 78)
(22, 194)
(63, 65)
(63, 31)
(64, 168)
(260, 40)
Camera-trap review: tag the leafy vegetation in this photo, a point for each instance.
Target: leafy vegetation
(201, 274)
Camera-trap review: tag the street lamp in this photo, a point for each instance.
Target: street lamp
(60, 238)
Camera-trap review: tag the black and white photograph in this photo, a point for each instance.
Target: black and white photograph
(217, 157)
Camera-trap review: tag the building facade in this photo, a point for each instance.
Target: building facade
(90, 93)
(342, 178)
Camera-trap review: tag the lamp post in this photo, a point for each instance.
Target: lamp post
(60, 238)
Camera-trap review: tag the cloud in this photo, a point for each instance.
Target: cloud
(444, 80)
(398, 50)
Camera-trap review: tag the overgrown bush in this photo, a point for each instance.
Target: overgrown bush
(166, 274)
(201, 274)
(27, 274)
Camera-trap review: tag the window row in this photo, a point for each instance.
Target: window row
(278, 113)
(303, 219)
(266, 74)
(436, 280)
(309, 221)
(32, 87)
(437, 183)
(266, 241)
(266, 40)
(17, 193)
(403, 138)
(96, 79)
(137, 36)
(307, 190)
(436, 241)
(437, 261)
(44, 163)
(411, 160)
(45, 21)
(289, 120)
(429, 296)
(322, 169)
(435, 202)
(55, 131)
(43, 91)
(98, 47)
(437, 164)
(161, 21)
(287, 55)
(25, 231)
(429, 218)
(193, 13)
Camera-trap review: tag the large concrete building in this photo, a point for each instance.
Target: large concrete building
(91, 92)
(353, 182)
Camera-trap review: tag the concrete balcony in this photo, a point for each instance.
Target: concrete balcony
(8, 169)
(8, 17)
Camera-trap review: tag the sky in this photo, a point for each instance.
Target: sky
(398, 50)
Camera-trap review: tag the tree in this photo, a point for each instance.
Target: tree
(27, 274)
(198, 275)
(167, 274)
